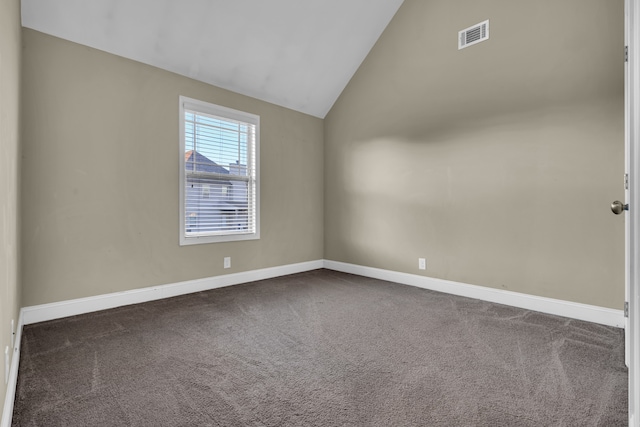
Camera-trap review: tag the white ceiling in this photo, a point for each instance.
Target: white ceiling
(296, 53)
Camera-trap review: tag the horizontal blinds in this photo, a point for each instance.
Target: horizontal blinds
(220, 175)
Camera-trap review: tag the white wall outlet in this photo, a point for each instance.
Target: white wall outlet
(422, 263)
(227, 262)
(13, 334)
(6, 364)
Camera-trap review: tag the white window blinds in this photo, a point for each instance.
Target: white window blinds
(219, 170)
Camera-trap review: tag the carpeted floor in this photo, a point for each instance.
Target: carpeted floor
(320, 349)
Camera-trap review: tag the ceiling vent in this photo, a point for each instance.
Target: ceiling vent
(474, 34)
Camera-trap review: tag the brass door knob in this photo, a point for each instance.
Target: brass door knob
(617, 207)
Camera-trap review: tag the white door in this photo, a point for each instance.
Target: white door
(632, 215)
(627, 168)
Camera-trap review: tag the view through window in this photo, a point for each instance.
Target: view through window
(219, 173)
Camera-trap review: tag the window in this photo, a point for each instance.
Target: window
(219, 178)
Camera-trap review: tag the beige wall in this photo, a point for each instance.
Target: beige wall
(100, 177)
(497, 162)
(9, 149)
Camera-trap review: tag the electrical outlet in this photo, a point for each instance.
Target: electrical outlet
(422, 263)
(227, 262)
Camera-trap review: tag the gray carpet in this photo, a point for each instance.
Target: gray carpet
(320, 349)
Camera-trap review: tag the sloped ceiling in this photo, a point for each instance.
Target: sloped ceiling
(298, 54)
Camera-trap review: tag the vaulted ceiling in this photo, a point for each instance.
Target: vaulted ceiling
(299, 54)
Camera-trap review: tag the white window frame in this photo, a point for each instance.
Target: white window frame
(224, 113)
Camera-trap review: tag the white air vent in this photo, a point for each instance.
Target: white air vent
(474, 34)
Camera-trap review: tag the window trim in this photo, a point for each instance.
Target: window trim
(223, 112)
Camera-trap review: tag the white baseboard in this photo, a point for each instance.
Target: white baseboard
(57, 310)
(7, 410)
(589, 313)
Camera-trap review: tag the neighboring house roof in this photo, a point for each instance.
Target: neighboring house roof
(202, 163)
